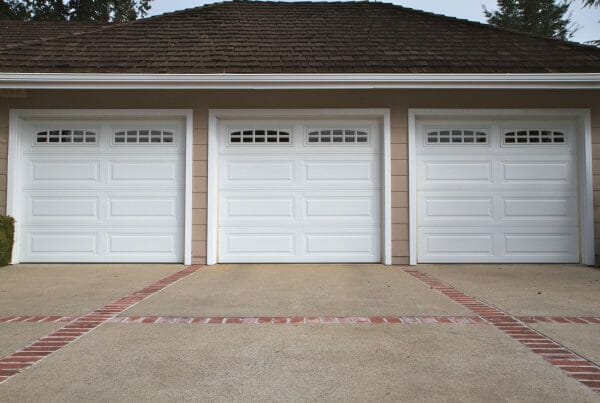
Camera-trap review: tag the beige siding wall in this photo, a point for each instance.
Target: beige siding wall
(398, 101)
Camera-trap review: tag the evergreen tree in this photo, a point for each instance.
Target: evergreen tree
(74, 10)
(539, 17)
(593, 3)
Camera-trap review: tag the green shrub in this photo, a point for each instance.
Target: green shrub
(7, 234)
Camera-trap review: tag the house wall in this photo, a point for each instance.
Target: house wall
(398, 101)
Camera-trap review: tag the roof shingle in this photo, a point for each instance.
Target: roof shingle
(300, 37)
(14, 33)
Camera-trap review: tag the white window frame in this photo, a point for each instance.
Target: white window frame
(15, 130)
(140, 128)
(215, 116)
(35, 143)
(319, 129)
(463, 128)
(583, 120)
(265, 144)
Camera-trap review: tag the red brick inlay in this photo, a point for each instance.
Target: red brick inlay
(582, 320)
(36, 319)
(302, 320)
(573, 364)
(17, 362)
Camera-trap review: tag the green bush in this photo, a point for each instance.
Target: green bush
(7, 234)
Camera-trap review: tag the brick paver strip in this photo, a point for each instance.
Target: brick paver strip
(36, 319)
(301, 320)
(573, 364)
(563, 320)
(580, 368)
(19, 361)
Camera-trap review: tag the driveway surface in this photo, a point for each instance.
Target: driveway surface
(299, 333)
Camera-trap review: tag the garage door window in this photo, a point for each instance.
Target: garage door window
(522, 137)
(144, 137)
(456, 136)
(72, 136)
(260, 136)
(330, 136)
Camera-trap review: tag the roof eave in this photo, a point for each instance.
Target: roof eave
(298, 81)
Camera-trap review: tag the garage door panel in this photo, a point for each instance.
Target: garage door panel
(49, 207)
(308, 201)
(132, 244)
(243, 206)
(511, 245)
(499, 203)
(150, 207)
(63, 173)
(102, 202)
(350, 206)
(448, 241)
(303, 244)
(458, 207)
(263, 173)
(61, 244)
(341, 172)
(92, 244)
(540, 208)
(141, 173)
(255, 244)
(349, 243)
(452, 172)
(560, 243)
(553, 172)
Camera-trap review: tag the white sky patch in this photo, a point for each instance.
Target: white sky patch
(587, 19)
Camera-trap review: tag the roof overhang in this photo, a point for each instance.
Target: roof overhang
(298, 81)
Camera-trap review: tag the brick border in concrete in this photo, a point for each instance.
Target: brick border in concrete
(36, 319)
(562, 320)
(302, 320)
(573, 364)
(35, 352)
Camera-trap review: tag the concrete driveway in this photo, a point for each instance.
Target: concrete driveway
(299, 333)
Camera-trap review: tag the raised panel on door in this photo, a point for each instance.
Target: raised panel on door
(43, 172)
(241, 172)
(256, 208)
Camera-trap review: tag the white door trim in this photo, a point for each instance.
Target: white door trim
(214, 115)
(584, 125)
(16, 116)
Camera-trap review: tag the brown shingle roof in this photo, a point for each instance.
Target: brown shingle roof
(302, 37)
(14, 33)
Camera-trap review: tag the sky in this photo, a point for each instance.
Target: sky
(587, 19)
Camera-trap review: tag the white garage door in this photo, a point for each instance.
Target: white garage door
(497, 191)
(299, 191)
(102, 191)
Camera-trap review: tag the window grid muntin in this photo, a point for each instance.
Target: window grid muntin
(143, 136)
(456, 136)
(66, 136)
(260, 136)
(534, 136)
(338, 136)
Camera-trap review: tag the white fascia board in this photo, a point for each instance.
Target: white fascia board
(298, 81)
